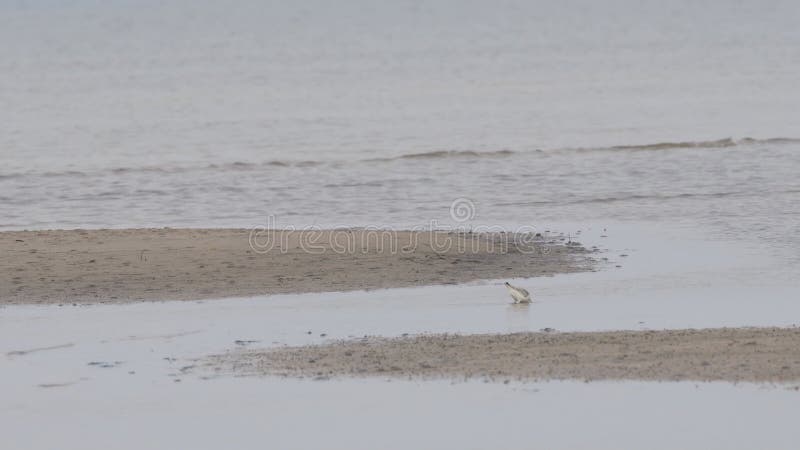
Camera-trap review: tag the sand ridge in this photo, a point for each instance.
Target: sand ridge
(723, 354)
(91, 266)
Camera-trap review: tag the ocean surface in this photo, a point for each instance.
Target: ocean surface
(202, 114)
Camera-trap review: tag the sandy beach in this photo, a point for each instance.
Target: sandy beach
(723, 354)
(99, 266)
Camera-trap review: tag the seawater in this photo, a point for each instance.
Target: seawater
(200, 114)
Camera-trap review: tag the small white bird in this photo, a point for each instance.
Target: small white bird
(518, 294)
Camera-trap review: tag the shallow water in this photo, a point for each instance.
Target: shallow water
(116, 365)
(290, 414)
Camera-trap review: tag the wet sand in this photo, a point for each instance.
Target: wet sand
(99, 266)
(722, 354)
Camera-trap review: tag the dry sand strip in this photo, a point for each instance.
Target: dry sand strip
(724, 354)
(90, 266)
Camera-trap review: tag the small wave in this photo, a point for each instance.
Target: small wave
(456, 154)
(166, 170)
(439, 154)
(236, 165)
(121, 170)
(777, 140)
(711, 144)
(635, 197)
(432, 155)
(718, 143)
(110, 194)
(51, 174)
(277, 163)
(638, 197)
